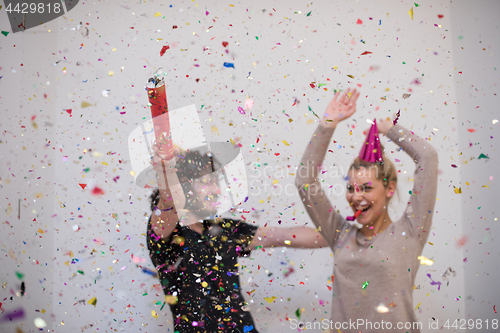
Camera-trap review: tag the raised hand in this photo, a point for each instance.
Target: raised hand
(342, 106)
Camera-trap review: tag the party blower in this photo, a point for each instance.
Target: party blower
(159, 112)
(371, 151)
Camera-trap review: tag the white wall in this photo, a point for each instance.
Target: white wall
(476, 52)
(292, 51)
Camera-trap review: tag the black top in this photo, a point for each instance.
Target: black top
(201, 271)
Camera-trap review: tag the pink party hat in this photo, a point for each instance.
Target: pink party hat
(371, 150)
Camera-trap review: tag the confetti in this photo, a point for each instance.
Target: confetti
(240, 110)
(410, 12)
(5, 33)
(482, 156)
(248, 104)
(366, 52)
(285, 143)
(40, 323)
(228, 64)
(397, 117)
(163, 50)
(247, 328)
(92, 301)
(365, 284)
(458, 190)
(382, 309)
(297, 313)
(270, 299)
(471, 130)
(433, 283)
(425, 261)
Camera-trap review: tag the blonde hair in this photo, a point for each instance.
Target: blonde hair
(386, 172)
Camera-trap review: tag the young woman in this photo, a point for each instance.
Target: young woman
(375, 265)
(197, 260)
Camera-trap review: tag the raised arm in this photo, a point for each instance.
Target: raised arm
(164, 219)
(420, 206)
(317, 204)
(296, 237)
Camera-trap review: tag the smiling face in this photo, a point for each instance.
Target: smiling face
(366, 192)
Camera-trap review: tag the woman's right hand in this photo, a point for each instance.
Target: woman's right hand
(161, 163)
(342, 106)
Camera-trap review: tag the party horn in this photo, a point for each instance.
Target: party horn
(352, 218)
(159, 112)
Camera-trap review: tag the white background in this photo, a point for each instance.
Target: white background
(43, 160)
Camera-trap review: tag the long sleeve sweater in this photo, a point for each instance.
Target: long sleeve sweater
(380, 270)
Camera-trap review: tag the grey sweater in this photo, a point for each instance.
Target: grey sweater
(389, 259)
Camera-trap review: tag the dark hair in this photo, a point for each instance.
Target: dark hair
(191, 164)
(386, 170)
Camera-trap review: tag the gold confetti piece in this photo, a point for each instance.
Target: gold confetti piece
(425, 261)
(92, 301)
(41, 231)
(467, 183)
(261, 201)
(204, 284)
(286, 143)
(430, 243)
(232, 141)
(485, 186)
(287, 242)
(411, 15)
(171, 299)
(104, 163)
(458, 190)
(85, 104)
(154, 314)
(111, 73)
(157, 14)
(290, 120)
(405, 96)
(231, 5)
(418, 305)
(270, 299)
(351, 76)
(275, 181)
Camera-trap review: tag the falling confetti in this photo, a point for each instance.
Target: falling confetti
(410, 12)
(93, 301)
(228, 64)
(365, 284)
(270, 299)
(163, 50)
(482, 156)
(397, 117)
(5, 33)
(425, 261)
(433, 283)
